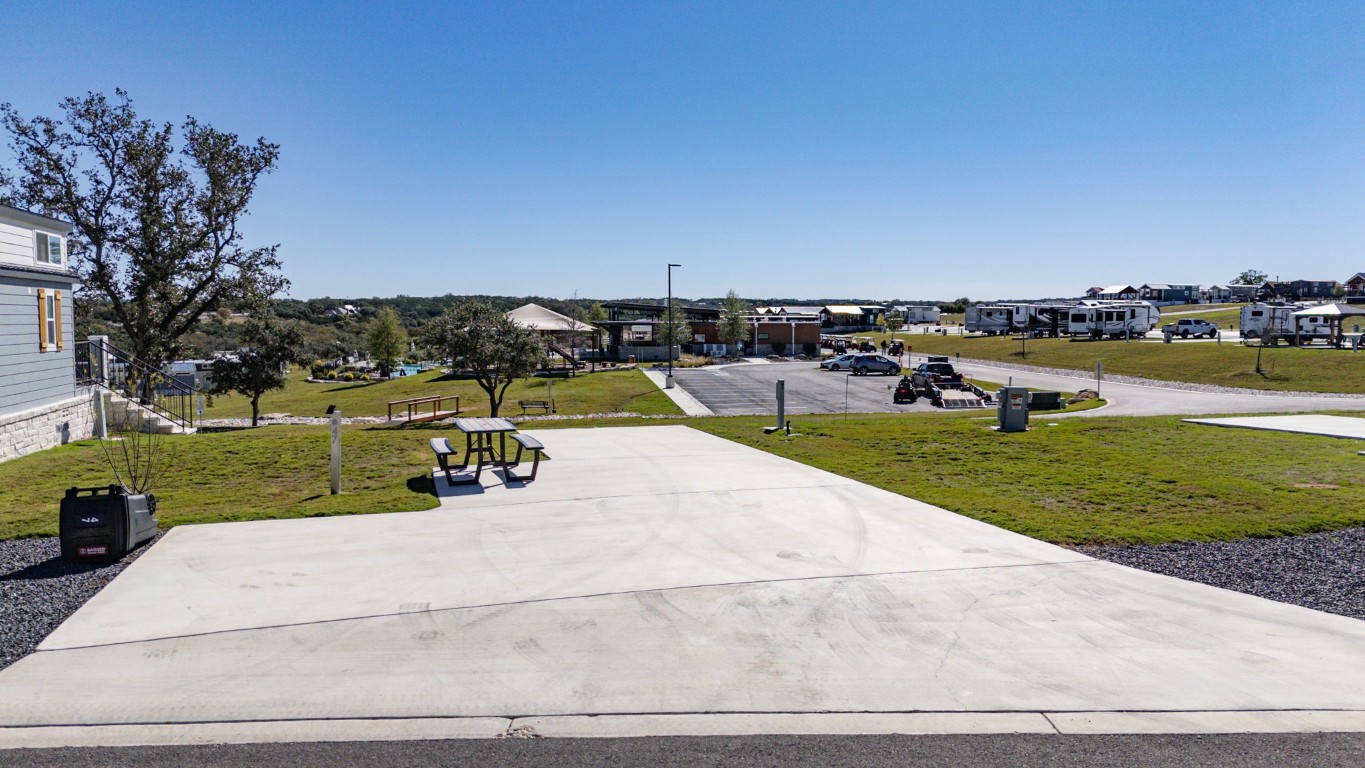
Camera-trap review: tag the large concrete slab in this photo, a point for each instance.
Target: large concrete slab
(658, 572)
(1307, 424)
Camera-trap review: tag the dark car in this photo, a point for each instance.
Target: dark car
(865, 364)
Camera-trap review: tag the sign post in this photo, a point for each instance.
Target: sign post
(335, 413)
(1099, 374)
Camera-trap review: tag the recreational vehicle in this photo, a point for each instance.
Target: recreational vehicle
(1117, 319)
(989, 319)
(1277, 320)
(918, 314)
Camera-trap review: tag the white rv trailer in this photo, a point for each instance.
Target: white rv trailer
(917, 313)
(1115, 319)
(989, 319)
(1277, 320)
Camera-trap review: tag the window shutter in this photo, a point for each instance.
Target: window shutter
(42, 319)
(58, 314)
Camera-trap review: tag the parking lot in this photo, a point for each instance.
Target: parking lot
(737, 390)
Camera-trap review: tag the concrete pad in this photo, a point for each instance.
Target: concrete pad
(829, 723)
(1307, 424)
(253, 732)
(659, 571)
(1281, 721)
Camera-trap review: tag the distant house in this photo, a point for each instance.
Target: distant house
(1356, 285)
(1163, 294)
(1220, 293)
(40, 404)
(1298, 290)
(1113, 293)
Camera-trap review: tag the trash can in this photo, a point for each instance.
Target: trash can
(630, 360)
(101, 525)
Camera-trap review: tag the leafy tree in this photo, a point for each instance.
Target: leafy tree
(156, 226)
(597, 313)
(269, 344)
(476, 336)
(893, 321)
(676, 333)
(732, 328)
(387, 340)
(1251, 277)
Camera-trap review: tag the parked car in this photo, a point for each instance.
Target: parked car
(840, 363)
(865, 364)
(1191, 326)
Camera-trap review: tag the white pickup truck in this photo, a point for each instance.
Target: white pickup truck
(1186, 327)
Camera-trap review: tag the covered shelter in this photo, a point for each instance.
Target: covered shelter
(562, 334)
(1334, 314)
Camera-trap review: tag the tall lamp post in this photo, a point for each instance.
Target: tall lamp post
(672, 329)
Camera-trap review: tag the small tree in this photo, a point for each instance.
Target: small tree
(894, 321)
(268, 346)
(476, 336)
(678, 332)
(386, 339)
(1251, 277)
(733, 329)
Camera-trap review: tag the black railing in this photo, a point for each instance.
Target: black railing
(102, 364)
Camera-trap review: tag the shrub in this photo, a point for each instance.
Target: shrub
(348, 376)
(810, 349)
(364, 377)
(779, 347)
(332, 375)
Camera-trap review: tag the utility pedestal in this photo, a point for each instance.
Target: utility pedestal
(1013, 409)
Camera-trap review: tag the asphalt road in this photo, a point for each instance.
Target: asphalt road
(1327, 750)
(736, 390)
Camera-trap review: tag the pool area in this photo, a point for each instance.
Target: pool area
(409, 369)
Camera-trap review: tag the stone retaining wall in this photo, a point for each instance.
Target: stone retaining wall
(46, 427)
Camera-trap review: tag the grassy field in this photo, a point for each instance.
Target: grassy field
(1112, 480)
(1285, 368)
(603, 392)
(1107, 479)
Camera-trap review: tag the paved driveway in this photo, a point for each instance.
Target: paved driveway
(749, 389)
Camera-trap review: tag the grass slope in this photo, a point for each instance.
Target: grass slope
(603, 392)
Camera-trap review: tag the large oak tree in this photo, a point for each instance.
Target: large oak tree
(476, 337)
(156, 213)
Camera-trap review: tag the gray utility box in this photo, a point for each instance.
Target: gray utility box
(1013, 409)
(100, 525)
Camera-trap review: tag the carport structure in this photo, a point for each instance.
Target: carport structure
(1335, 314)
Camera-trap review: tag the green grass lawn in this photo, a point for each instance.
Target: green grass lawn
(1106, 479)
(603, 392)
(1111, 480)
(1286, 368)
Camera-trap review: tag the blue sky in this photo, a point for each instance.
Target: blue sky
(872, 150)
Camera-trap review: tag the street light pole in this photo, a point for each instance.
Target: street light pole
(672, 329)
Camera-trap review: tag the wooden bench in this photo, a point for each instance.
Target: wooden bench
(435, 401)
(526, 405)
(525, 442)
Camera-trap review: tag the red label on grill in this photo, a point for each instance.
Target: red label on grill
(92, 551)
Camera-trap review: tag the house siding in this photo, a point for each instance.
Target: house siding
(30, 378)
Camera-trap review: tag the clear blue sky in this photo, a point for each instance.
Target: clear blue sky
(878, 150)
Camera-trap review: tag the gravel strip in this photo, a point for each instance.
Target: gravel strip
(38, 590)
(1322, 571)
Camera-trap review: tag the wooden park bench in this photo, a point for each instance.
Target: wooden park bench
(527, 405)
(524, 442)
(420, 403)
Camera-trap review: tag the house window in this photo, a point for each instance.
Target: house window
(49, 320)
(49, 249)
(50, 312)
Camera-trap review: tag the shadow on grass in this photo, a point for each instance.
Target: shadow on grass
(422, 484)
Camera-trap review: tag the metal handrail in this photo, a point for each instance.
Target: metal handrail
(125, 375)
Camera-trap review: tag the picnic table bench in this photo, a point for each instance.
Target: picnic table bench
(435, 401)
(479, 449)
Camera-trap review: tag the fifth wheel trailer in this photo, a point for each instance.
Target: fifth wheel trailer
(1271, 320)
(1113, 319)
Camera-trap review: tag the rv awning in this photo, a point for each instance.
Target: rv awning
(537, 318)
(1333, 310)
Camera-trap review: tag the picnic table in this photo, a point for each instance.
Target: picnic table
(478, 436)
